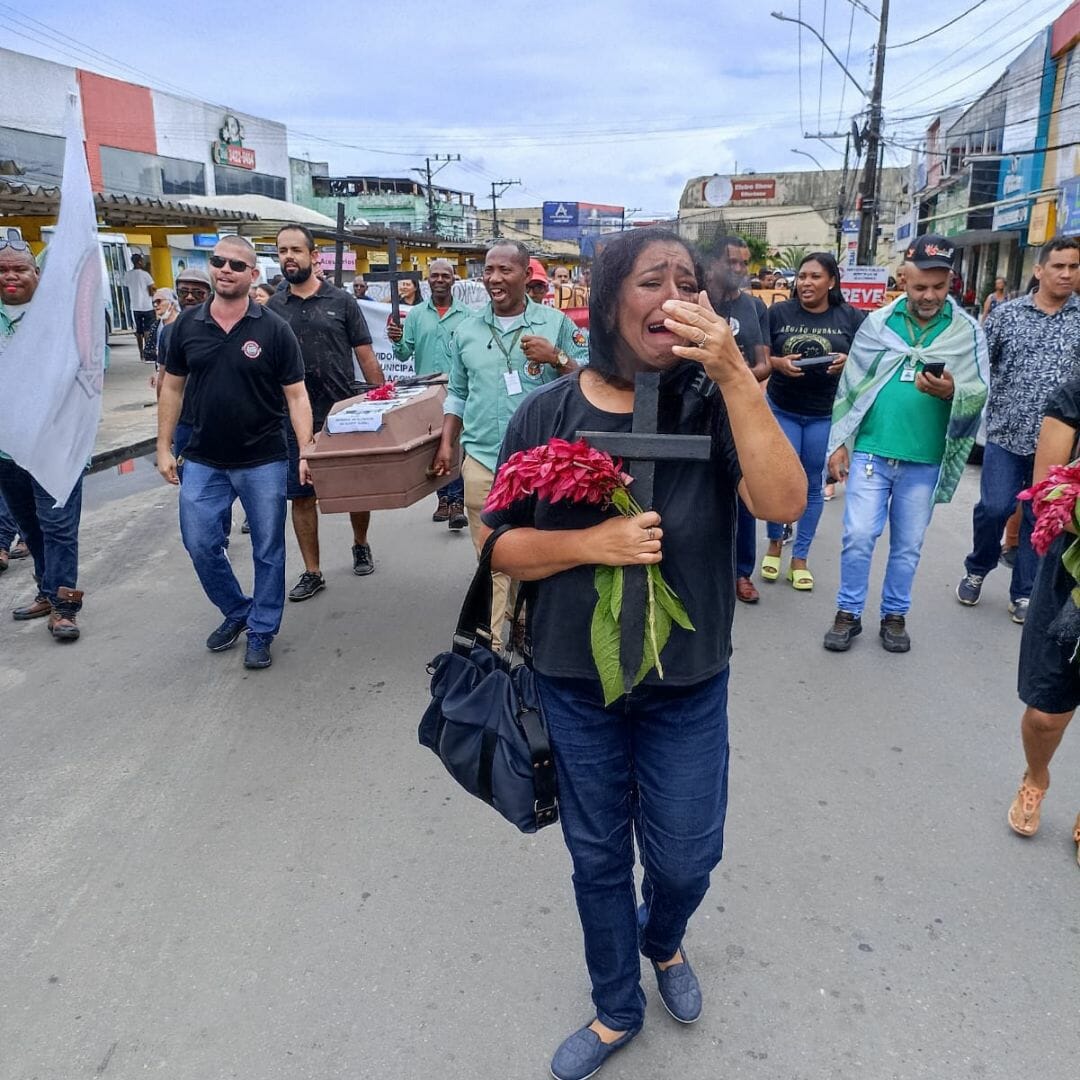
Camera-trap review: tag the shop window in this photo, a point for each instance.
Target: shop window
(134, 173)
(232, 181)
(38, 159)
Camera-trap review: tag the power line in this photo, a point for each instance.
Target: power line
(847, 60)
(944, 26)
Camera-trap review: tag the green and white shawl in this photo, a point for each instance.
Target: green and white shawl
(878, 351)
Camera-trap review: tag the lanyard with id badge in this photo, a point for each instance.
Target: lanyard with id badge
(511, 378)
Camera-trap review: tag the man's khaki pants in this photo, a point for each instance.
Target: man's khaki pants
(478, 481)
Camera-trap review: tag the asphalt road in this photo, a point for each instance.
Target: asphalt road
(207, 873)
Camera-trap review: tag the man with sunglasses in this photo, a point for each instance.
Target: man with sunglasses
(244, 367)
(51, 532)
(332, 333)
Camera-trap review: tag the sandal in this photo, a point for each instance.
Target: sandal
(770, 567)
(1025, 809)
(800, 578)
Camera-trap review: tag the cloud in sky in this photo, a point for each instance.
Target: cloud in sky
(616, 102)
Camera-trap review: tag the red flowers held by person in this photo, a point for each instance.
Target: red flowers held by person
(386, 392)
(1053, 502)
(557, 470)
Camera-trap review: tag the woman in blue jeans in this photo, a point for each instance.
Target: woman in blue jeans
(814, 324)
(652, 765)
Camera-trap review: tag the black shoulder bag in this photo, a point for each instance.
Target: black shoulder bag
(484, 722)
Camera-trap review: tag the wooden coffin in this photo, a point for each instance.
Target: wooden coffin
(379, 469)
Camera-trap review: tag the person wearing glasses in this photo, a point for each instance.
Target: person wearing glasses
(244, 367)
(166, 310)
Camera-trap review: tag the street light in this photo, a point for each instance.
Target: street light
(811, 157)
(787, 18)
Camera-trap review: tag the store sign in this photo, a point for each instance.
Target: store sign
(1069, 207)
(864, 287)
(229, 148)
(205, 240)
(328, 261)
(721, 190)
(1017, 178)
(574, 220)
(1041, 226)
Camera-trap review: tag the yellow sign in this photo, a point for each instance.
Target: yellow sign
(1043, 222)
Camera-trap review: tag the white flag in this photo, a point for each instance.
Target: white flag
(51, 370)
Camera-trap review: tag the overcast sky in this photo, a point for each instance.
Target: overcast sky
(611, 102)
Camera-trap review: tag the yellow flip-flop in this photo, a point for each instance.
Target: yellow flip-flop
(802, 580)
(770, 567)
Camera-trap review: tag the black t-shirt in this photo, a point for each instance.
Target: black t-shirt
(328, 326)
(233, 393)
(745, 320)
(793, 329)
(696, 502)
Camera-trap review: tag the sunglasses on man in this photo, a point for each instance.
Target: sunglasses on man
(236, 265)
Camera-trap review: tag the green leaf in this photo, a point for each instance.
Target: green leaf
(616, 592)
(604, 637)
(1071, 560)
(620, 499)
(668, 599)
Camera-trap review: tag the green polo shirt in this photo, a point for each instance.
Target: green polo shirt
(478, 392)
(904, 423)
(424, 333)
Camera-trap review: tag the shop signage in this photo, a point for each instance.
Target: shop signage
(1016, 179)
(205, 239)
(1041, 226)
(229, 148)
(574, 221)
(1069, 207)
(328, 262)
(721, 190)
(864, 287)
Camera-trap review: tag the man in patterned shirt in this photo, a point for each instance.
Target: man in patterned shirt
(1034, 346)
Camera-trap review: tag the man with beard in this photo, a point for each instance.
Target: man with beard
(245, 368)
(910, 397)
(725, 278)
(497, 355)
(331, 330)
(423, 337)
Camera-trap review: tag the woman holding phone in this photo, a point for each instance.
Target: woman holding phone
(810, 337)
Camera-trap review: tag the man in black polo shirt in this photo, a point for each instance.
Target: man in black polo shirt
(725, 275)
(331, 330)
(244, 367)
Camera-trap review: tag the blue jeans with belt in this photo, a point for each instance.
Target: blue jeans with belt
(206, 498)
(51, 532)
(654, 764)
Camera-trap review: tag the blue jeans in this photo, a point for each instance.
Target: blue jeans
(745, 542)
(656, 764)
(206, 498)
(8, 526)
(809, 435)
(453, 492)
(901, 492)
(1004, 476)
(51, 532)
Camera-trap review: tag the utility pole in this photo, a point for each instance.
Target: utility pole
(871, 172)
(841, 202)
(502, 185)
(428, 172)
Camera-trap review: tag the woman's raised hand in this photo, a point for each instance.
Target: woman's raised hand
(708, 338)
(623, 541)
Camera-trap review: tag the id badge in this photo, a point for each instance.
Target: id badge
(513, 382)
(907, 375)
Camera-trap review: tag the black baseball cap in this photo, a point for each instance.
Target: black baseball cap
(930, 252)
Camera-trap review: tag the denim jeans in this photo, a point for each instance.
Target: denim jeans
(656, 764)
(453, 492)
(51, 533)
(1004, 476)
(745, 542)
(809, 435)
(8, 526)
(880, 489)
(206, 498)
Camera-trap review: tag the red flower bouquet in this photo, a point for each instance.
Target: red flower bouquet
(577, 472)
(386, 392)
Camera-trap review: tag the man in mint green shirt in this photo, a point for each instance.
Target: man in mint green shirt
(424, 338)
(901, 439)
(496, 356)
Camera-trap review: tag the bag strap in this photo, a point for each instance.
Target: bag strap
(474, 622)
(545, 786)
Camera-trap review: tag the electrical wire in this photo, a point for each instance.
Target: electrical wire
(847, 61)
(944, 26)
(821, 63)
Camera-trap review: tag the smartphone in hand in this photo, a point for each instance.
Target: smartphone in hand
(937, 370)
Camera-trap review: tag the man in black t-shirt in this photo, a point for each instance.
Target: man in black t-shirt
(241, 367)
(332, 332)
(725, 277)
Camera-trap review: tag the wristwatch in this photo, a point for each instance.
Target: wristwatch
(561, 359)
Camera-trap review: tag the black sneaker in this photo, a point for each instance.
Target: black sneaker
(894, 636)
(362, 563)
(969, 590)
(257, 654)
(457, 517)
(309, 584)
(845, 627)
(224, 637)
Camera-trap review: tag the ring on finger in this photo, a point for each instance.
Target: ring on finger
(704, 340)
(649, 533)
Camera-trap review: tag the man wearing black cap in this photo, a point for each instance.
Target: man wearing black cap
(909, 400)
(1034, 344)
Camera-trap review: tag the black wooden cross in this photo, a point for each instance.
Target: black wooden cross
(643, 447)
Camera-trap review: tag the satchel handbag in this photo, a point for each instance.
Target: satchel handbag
(485, 722)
